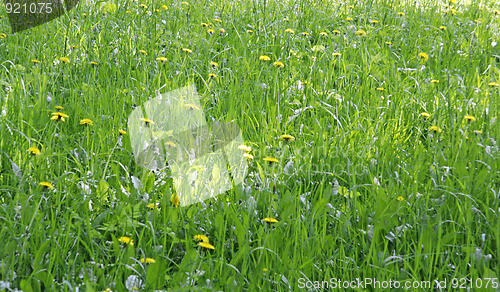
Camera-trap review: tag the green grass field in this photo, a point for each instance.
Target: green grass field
(393, 175)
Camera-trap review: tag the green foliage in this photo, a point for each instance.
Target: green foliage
(370, 188)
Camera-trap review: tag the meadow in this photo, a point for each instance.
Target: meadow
(381, 117)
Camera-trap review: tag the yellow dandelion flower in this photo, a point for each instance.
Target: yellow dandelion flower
(401, 13)
(401, 199)
(143, 52)
(157, 10)
(128, 12)
(248, 156)
(374, 21)
(264, 269)
(289, 30)
(175, 200)
(271, 159)
(442, 27)
(187, 50)
(478, 21)
(245, 148)
(222, 31)
(170, 144)
(210, 31)
(164, 7)
(270, 220)
(201, 237)
(388, 43)
(286, 19)
(434, 81)
(143, 6)
(425, 115)
(58, 116)
(287, 138)
(348, 19)
(323, 33)
(478, 131)
(336, 32)
(470, 118)
(152, 206)
(64, 59)
(206, 245)
(147, 260)
(337, 54)
(46, 185)
(35, 61)
(94, 63)
(162, 59)
(453, 1)
(264, 58)
(435, 129)
(380, 89)
(87, 122)
(192, 106)
(304, 33)
(122, 132)
(278, 64)
(204, 24)
(218, 20)
(452, 11)
(2, 35)
(215, 64)
(59, 108)
(184, 3)
(496, 11)
(127, 240)
(147, 121)
(34, 151)
(493, 84)
(423, 56)
(361, 33)
(212, 75)
(249, 31)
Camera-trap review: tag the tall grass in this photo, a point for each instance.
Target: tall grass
(366, 190)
